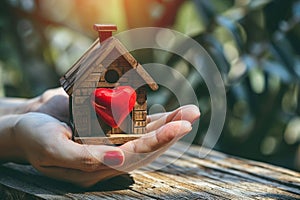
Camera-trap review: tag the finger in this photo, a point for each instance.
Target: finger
(157, 139)
(154, 117)
(142, 151)
(189, 113)
(88, 157)
(194, 110)
(68, 154)
(78, 177)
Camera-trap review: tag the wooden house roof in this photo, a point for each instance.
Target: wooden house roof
(95, 55)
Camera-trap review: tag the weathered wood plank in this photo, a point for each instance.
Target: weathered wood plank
(256, 169)
(217, 176)
(19, 179)
(243, 171)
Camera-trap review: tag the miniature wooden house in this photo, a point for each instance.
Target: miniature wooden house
(107, 65)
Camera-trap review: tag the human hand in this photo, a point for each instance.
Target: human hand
(46, 143)
(54, 102)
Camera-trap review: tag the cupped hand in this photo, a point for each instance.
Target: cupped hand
(46, 144)
(54, 102)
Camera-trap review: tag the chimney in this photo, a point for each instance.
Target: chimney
(104, 31)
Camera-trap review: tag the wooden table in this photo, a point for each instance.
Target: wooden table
(217, 176)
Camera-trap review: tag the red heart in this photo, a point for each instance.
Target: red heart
(113, 105)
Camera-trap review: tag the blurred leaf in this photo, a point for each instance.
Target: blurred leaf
(277, 69)
(234, 30)
(283, 51)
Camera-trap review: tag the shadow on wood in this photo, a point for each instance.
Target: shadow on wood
(23, 181)
(121, 182)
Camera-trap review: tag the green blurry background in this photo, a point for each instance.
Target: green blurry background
(255, 44)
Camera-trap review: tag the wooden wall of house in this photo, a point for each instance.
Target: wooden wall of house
(128, 76)
(139, 113)
(97, 78)
(85, 119)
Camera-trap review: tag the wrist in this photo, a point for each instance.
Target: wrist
(10, 150)
(11, 106)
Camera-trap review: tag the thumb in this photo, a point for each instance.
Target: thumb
(89, 157)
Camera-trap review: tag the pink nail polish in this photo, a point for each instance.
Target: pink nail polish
(113, 158)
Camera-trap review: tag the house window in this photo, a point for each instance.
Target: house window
(139, 115)
(111, 76)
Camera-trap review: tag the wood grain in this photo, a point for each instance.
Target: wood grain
(216, 176)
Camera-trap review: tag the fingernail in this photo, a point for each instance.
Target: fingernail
(113, 158)
(186, 125)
